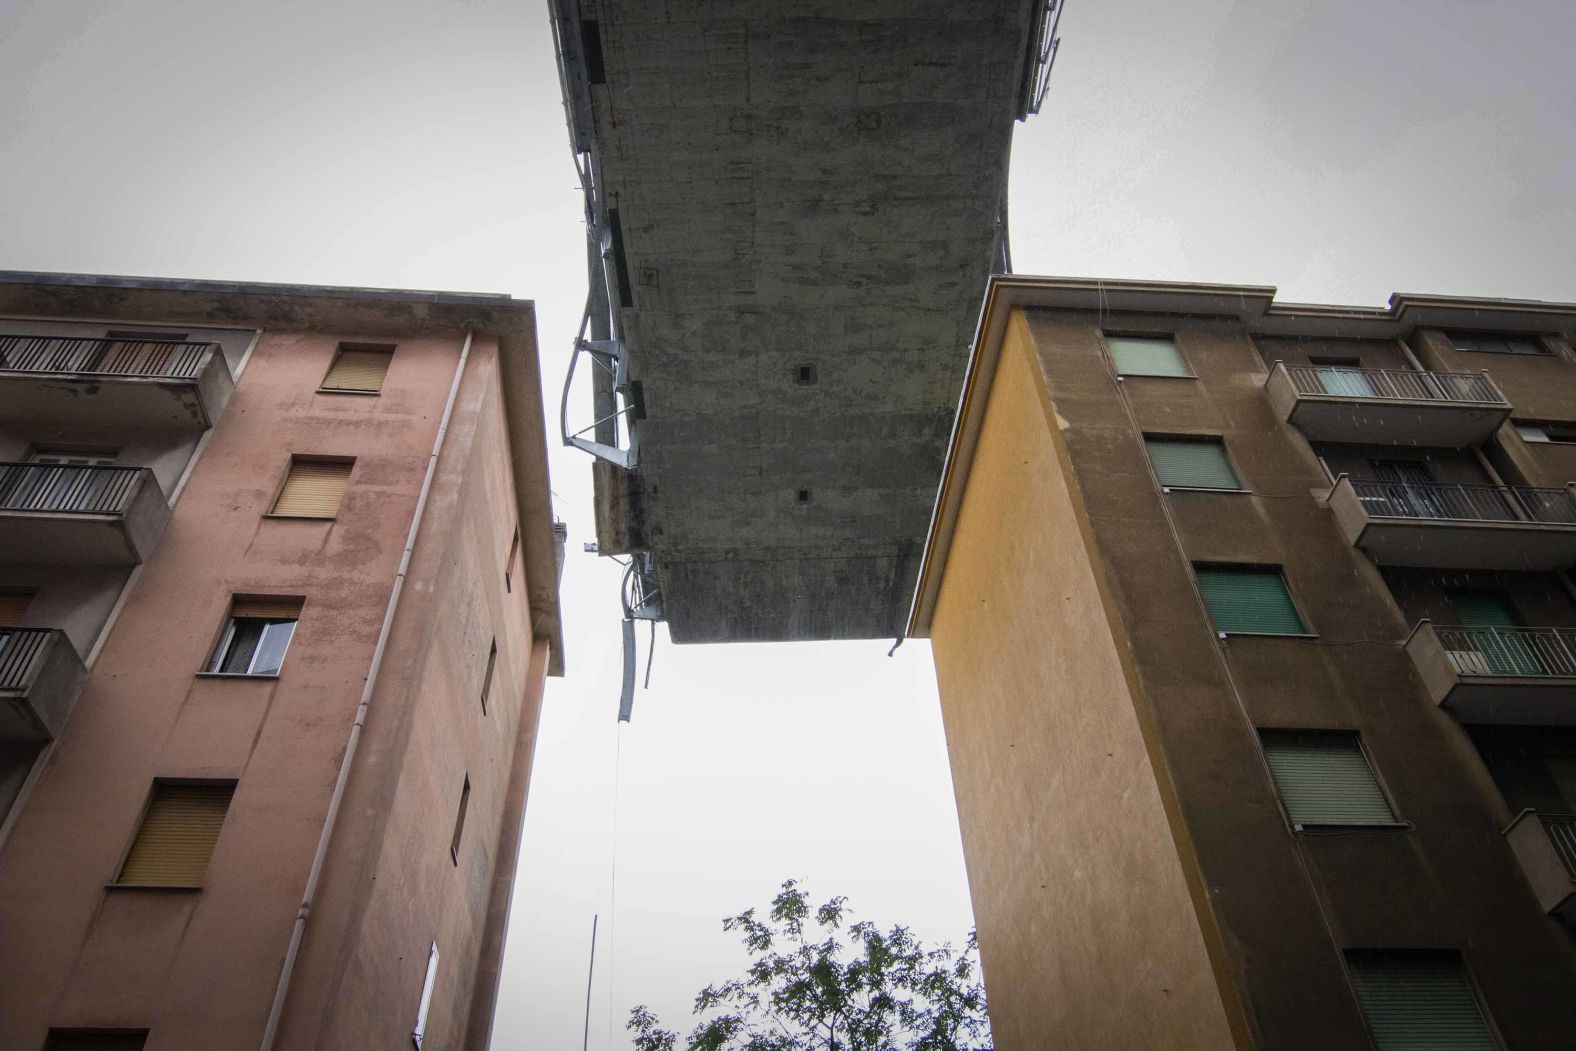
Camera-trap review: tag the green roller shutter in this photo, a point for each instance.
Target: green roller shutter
(1189, 463)
(1146, 357)
(1324, 778)
(1249, 601)
(1419, 1001)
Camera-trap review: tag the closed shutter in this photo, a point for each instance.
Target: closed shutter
(267, 608)
(1482, 609)
(1324, 778)
(177, 835)
(96, 1040)
(358, 370)
(313, 489)
(1146, 357)
(1419, 1000)
(1249, 601)
(1191, 464)
(13, 607)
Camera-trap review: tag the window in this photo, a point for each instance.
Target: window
(96, 1040)
(313, 488)
(256, 636)
(419, 1033)
(508, 567)
(492, 661)
(459, 820)
(1191, 463)
(1324, 778)
(1146, 356)
(1491, 344)
(1249, 600)
(1418, 1000)
(178, 833)
(1546, 433)
(358, 369)
(13, 607)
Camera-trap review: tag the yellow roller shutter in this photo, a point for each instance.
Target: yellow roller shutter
(267, 607)
(359, 370)
(177, 835)
(313, 489)
(13, 607)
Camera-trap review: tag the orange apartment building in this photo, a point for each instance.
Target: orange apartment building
(278, 593)
(1256, 643)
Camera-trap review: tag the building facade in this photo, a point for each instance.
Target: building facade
(1256, 647)
(278, 593)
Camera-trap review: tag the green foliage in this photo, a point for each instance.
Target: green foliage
(805, 989)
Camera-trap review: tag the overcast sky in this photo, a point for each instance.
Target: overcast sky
(1340, 150)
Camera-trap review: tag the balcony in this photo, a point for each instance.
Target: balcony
(40, 673)
(1451, 526)
(91, 515)
(120, 382)
(1545, 845)
(1386, 406)
(1507, 676)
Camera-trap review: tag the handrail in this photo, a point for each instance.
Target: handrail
(1561, 830)
(1464, 502)
(53, 488)
(1393, 384)
(85, 356)
(19, 650)
(1490, 651)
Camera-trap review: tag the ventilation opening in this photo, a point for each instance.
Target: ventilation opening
(804, 496)
(804, 375)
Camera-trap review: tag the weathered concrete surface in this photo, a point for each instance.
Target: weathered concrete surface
(801, 184)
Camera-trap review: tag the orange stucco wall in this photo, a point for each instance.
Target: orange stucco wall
(1064, 824)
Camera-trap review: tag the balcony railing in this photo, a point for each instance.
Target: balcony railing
(1562, 834)
(1393, 384)
(124, 358)
(49, 488)
(1465, 503)
(19, 650)
(1510, 651)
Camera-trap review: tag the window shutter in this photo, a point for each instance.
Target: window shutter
(1146, 357)
(313, 489)
(267, 608)
(178, 834)
(1249, 601)
(1324, 778)
(1419, 1000)
(358, 370)
(96, 1040)
(13, 607)
(1191, 464)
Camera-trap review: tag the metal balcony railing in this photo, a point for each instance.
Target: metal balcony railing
(1470, 503)
(19, 650)
(127, 358)
(1510, 651)
(1394, 384)
(69, 488)
(1561, 829)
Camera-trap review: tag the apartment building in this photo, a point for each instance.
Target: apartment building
(1256, 646)
(278, 594)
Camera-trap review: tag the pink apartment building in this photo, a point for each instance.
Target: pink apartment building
(278, 594)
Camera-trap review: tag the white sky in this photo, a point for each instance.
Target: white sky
(1341, 150)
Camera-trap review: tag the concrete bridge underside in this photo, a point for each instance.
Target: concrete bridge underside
(804, 202)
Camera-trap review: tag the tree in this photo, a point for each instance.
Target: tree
(806, 990)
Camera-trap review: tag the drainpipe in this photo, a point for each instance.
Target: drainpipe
(271, 1031)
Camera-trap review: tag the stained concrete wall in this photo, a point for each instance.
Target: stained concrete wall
(198, 968)
(1089, 931)
(1285, 904)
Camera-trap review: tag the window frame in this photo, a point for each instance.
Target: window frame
(1398, 824)
(1197, 439)
(1535, 340)
(458, 836)
(487, 676)
(1549, 428)
(1154, 337)
(365, 348)
(1263, 567)
(226, 635)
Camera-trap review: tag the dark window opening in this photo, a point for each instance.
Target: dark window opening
(487, 676)
(459, 820)
(804, 496)
(804, 375)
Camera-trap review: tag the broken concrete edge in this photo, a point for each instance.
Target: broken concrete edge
(1253, 306)
(351, 311)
